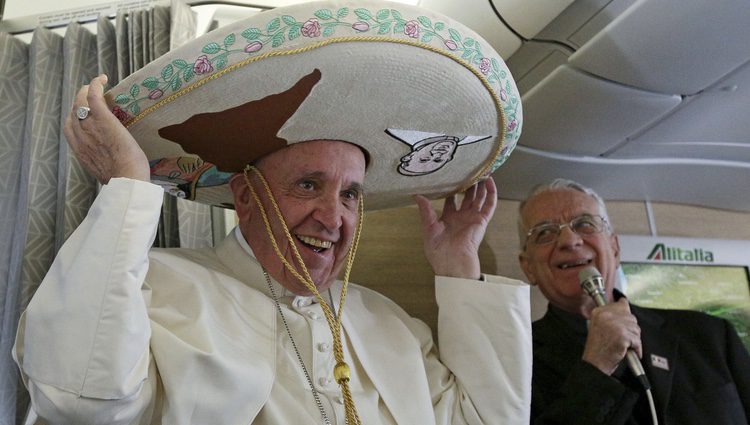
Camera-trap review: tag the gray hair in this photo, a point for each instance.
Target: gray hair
(557, 184)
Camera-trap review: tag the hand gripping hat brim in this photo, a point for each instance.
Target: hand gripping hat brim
(432, 104)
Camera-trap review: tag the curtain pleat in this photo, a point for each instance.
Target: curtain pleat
(123, 45)
(14, 93)
(106, 50)
(40, 161)
(44, 192)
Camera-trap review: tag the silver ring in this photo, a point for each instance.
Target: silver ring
(82, 112)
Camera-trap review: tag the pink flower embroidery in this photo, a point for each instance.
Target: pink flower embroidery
(484, 66)
(120, 114)
(412, 29)
(512, 125)
(361, 26)
(202, 65)
(451, 45)
(311, 28)
(253, 47)
(155, 94)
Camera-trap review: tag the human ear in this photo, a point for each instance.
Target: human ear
(241, 193)
(523, 260)
(615, 241)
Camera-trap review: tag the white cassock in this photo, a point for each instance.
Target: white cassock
(121, 334)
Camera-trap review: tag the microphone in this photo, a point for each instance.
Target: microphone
(593, 283)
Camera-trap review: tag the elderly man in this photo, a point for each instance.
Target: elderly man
(579, 376)
(259, 330)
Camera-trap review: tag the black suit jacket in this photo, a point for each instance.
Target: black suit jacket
(697, 366)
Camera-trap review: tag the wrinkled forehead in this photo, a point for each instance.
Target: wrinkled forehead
(558, 206)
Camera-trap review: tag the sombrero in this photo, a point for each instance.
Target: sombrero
(432, 103)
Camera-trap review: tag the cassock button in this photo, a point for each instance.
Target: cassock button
(324, 347)
(313, 315)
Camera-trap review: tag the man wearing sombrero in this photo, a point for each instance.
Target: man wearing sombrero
(289, 117)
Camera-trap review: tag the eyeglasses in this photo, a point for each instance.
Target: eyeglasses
(583, 225)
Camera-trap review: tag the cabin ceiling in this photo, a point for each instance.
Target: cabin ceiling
(641, 100)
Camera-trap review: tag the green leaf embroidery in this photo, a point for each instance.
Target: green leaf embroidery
(363, 14)
(150, 83)
(396, 15)
(221, 62)
(385, 28)
(181, 64)
(211, 48)
(455, 36)
(467, 54)
(427, 37)
(399, 27)
(274, 25)
(229, 40)
(122, 99)
(342, 13)
(495, 65)
(382, 14)
(328, 31)
(324, 14)
(277, 40)
(439, 26)
(289, 20)
(167, 72)
(425, 21)
(187, 74)
(134, 108)
(175, 84)
(294, 32)
(468, 42)
(251, 33)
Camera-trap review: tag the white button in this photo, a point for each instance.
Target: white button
(324, 347)
(340, 400)
(313, 315)
(324, 382)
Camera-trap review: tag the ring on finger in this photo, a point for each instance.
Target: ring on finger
(82, 112)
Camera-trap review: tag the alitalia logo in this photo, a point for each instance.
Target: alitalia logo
(662, 252)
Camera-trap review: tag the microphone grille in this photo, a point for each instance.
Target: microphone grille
(588, 273)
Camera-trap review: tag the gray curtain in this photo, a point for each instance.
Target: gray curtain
(44, 192)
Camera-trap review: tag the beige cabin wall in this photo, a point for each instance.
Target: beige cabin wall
(390, 257)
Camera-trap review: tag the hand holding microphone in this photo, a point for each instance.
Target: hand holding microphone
(611, 331)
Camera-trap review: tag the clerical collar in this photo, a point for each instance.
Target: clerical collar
(297, 300)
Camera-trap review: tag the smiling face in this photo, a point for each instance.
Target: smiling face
(555, 266)
(317, 186)
(428, 158)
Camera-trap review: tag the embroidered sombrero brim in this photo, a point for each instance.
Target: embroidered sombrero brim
(429, 100)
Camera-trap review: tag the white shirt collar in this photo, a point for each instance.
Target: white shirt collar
(298, 300)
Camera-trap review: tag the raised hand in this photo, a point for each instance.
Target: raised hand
(100, 142)
(612, 331)
(451, 241)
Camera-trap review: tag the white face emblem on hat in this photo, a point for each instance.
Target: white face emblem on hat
(429, 151)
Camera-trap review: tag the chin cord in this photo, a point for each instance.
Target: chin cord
(341, 371)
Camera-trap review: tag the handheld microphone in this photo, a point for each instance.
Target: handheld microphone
(593, 283)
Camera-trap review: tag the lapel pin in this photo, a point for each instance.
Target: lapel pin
(660, 362)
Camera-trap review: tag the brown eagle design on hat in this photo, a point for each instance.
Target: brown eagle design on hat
(235, 137)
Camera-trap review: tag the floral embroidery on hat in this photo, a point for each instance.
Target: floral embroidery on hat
(325, 23)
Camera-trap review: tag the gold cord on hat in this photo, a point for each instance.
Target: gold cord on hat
(341, 371)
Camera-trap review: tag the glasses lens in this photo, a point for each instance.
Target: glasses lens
(544, 234)
(587, 225)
